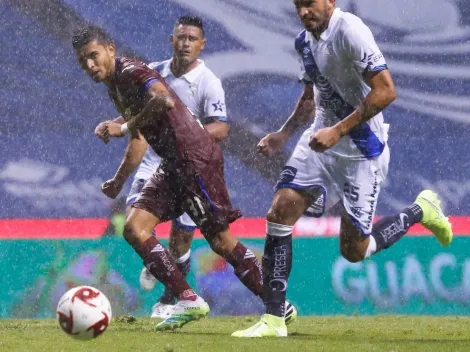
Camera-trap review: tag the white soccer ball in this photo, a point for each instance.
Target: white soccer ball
(84, 312)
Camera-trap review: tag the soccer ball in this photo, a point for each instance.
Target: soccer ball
(84, 312)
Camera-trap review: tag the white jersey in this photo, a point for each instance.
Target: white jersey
(200, 90)
(335, 65)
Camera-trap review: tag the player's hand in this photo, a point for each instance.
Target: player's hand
(272, 143)
(111, 188)
(114, 129)
(102, 132)
(324, 139)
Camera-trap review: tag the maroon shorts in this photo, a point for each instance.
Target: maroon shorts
(203, 196)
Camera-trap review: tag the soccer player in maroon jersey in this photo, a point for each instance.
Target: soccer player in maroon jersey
(190, 178)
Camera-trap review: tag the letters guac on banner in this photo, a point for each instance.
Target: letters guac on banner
(417, 276)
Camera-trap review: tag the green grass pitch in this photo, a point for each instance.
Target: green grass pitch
(339, 333)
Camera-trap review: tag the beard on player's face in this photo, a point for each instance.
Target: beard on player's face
(316, 22)
(314, 15)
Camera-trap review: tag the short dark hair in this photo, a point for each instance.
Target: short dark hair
(89, 34)
(191, 21)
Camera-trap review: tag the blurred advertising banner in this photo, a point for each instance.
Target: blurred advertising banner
(416, 276)
(93, 228)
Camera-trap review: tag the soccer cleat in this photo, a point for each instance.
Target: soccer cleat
(433, 217)
(291, 313)
(147, 280)
(184, 312)
(162, 310)
(268, 326)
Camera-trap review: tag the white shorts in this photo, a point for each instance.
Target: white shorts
(332, 179)
(184, 221)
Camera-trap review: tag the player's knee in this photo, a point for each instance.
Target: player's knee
(128, 233)
(131, 231)
(286, 208)
(221, 243)
(217, 246)
(278, 213)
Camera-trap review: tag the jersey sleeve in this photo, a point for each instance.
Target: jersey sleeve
(214, 102)
(138, 74)
(360, 47)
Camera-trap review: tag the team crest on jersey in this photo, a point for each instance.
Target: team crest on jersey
(329, 49)
(192, 89)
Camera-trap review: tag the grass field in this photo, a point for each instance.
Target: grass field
(383, 333)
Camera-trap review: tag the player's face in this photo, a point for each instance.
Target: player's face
(187, 42)
(97, 60)
(314, 14)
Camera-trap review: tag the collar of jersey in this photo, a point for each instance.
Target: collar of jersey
(326, 34)
(190, 76)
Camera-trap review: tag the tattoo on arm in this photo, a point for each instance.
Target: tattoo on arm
(303, 112)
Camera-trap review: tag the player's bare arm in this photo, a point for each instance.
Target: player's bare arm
(218, 130)
(302, 114)
(159, 101)
(381, 95)
(102, 132)
(133, 155)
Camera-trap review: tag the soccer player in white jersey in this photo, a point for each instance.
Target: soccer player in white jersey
(201, 91)
(343, 157)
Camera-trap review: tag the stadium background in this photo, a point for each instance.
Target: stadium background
(53, 217)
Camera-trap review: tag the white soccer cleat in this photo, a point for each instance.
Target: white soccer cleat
(184, 312)
(162, 310)
(147, 280)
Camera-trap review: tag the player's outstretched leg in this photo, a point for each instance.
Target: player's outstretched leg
(389, 229)
(286, 208)
(158, 260)
(433, 217)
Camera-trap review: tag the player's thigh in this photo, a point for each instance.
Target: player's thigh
(158, 198)
(141, 220)
(360, 183)
(207, 201)
(136, 187)
(304, 186)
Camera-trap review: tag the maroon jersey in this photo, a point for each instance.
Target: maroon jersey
(178, 138)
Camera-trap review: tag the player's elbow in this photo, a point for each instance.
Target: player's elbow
(223, 133)
(161, 102)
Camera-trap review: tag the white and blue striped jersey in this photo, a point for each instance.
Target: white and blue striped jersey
(335, 64)
(200, 90)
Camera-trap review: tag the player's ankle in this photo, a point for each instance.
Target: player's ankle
(187, 295)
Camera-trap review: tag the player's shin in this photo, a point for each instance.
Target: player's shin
(247, 268)
(160, 263)
(184, 264)
(389, 229)
(277, 264)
